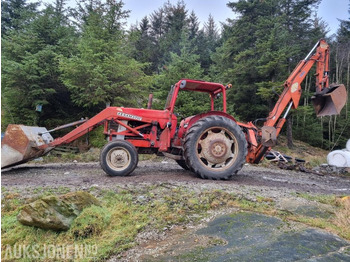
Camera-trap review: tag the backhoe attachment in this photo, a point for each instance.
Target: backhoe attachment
(330, 101)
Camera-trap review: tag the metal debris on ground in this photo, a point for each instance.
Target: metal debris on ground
(328, 169)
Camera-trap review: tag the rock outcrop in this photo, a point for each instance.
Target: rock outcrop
(56, 212)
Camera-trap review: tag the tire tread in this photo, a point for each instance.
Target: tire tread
(196, 127)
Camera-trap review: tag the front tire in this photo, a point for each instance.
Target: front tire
(215, 148)
(119, 158)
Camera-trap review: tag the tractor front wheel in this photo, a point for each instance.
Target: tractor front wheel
(215, 147)
(119, 158)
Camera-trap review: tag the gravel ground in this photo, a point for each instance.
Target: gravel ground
(84, 175)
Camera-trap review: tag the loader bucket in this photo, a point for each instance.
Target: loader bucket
(21, 144)
(330, 101)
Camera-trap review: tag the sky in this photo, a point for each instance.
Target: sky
(329, 10)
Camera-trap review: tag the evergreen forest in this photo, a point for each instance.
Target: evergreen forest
(60, 64)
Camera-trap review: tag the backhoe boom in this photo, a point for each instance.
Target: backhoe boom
(327, 100)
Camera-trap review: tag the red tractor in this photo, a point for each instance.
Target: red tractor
(212, 144)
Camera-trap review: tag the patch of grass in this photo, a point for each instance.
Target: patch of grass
(217, 242)
(38, 190)
(314, 161)
(46, 191)
(90, 222)
(10, 203)
(338, 223)
(93, 155)
(325, 199)
(327, 224)
(3, 189)
(342, 216)
(153, 157)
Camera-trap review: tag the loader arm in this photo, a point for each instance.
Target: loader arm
(327, 100)
(89, 125)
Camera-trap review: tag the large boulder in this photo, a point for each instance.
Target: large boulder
(56, 212)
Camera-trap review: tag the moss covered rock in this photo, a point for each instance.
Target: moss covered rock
(56, 212)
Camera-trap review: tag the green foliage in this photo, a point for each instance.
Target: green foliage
(95, 78)
(307, 126)
(100, 72)
(97, 138)
(162, 33)
(141, 45)
(16, 14)
(269, 90)
(30, 74)
(185, 65)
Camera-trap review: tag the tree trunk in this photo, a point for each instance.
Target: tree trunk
(289, 133)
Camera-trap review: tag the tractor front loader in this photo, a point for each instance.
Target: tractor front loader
(212, 144)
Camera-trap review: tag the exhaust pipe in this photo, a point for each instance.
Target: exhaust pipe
(330, 100)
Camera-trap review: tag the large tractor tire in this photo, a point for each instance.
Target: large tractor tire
(215, 148)
(183, 164)
(119, 158)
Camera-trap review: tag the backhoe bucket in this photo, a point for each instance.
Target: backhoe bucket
(21, 144)
(330, 101)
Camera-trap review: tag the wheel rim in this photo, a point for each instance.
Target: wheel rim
(217, 148)
(118, 158)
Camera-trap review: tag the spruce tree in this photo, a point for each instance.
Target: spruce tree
(30, 74)
(101, 72)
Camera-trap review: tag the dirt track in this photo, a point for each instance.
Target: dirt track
(84, 175)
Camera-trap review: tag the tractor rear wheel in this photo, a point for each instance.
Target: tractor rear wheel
(119, 158)
(183, 164)
(215, 148)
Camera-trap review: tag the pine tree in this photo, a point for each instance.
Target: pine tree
(16, 14)
(337, 130)
(143, 48)
(167, 24)
(30, 74)
(193, 26)
(207, 42)
(185, 65)
(260, 49)
(101, 72)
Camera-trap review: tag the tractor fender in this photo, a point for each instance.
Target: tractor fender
(189, 121)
